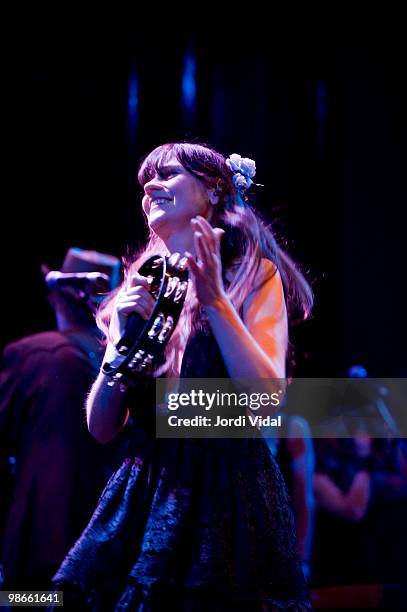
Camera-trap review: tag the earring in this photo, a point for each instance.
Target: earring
(217, 191)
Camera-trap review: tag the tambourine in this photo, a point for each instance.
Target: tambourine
(143, 343)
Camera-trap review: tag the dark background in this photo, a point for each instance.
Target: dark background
(320, 108)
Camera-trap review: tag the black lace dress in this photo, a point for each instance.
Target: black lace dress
(188, 524)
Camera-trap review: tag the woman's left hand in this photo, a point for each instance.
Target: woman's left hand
(206, 269)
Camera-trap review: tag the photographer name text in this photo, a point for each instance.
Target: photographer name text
(240, 421)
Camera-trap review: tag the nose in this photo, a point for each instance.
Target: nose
(152, 187)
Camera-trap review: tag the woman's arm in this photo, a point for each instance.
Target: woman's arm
(255, 347)
(106, 407)
(351, 505)
(300, 447)
(106, 410)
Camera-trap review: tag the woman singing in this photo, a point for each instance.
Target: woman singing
(196, 524)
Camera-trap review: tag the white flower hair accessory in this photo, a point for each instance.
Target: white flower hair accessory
(243, 169)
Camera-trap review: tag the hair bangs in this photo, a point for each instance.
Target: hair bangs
(200, 160)
(153, 162)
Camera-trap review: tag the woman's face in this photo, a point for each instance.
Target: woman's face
(173, 197)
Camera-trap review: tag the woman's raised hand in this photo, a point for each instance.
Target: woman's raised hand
(133, 297)
(206, 268)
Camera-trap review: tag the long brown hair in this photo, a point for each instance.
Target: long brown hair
(246, 241)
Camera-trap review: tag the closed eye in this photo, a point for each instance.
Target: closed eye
(167, 171)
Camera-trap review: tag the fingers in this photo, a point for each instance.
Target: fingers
(201, 226)
(200, 248)
(218, 234)
(193, 265)
(207, 228)
(136, 279)
(139, 290)
(206, 245)
(212, 236)
(135, 300)
(124, 310)
(205, 265)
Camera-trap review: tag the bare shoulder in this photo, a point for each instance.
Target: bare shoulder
(267, 291)
(265, 314)
(267, 269)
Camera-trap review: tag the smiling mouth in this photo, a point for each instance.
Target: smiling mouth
(159, 201)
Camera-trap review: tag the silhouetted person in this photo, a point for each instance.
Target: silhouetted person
(59, 470)
(360, 490)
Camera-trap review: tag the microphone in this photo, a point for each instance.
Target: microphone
(84, 281)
